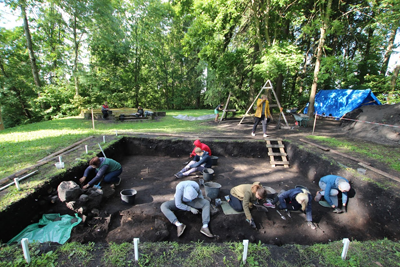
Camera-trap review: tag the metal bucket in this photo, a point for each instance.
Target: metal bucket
(212, 189)
(214, 160)
(128, 196)
(208, 174)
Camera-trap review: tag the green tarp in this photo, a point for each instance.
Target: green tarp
(51, 228)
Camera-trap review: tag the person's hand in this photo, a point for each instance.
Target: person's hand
(85, 186)
(252, 223)
(333, 206)
(82, 180)
(312, 225)
(194, 211)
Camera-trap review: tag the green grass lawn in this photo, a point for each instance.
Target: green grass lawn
(22, 146)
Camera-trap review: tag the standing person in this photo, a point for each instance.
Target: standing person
(242, 198)
(201, 161)
(105, 168)
(330, 186)
(140, 112)
(203, 146)
(262, 114)
(104, 110)
(293, 200)
(188, 197)
(217, 110)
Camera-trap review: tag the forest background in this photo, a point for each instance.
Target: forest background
(73, 55)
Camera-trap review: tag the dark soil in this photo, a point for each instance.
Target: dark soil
(150, 161)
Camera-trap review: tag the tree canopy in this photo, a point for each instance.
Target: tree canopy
(71, 55)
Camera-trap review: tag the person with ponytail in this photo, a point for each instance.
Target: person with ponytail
(244, 196)
(293, 200)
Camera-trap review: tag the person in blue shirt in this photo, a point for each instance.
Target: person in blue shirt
(330, 186)
(201, 161)
(105, 168)
(188, 197)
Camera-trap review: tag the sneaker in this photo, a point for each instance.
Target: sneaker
(178, 175)
(180, 229)
(337, 210)
(269, 205)
(119, 181)
(318, 196)
(253, 134)
(265, 135)
(206, 232)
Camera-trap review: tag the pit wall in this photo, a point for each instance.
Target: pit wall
(30, 209)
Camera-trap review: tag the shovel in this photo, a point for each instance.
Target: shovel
(283, 217)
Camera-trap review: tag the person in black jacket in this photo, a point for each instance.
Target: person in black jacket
(140, 112)
(201, 161)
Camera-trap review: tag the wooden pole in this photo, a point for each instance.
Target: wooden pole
(315, 120)
(92, 119)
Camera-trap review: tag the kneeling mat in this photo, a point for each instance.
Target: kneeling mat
(227, 209)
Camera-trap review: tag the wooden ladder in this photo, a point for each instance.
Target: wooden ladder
(277, 144)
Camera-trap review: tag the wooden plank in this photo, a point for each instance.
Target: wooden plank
(65, 149)
(275, 146)
(276, 154)
(280, 162)
(320, 147)
(273, 139)
(284, 158)
(271, 158)
(380, 172)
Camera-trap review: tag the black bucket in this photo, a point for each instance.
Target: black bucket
(208, 174)
(128, 196)
(214, 160)
(212, 189)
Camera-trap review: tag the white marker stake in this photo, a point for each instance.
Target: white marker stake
(25, 249)
(246, 246)
(86, 149)
(17, 183)
(104, 138)
(116, 133)
(346, 243)
(135, 243)
(60, 159)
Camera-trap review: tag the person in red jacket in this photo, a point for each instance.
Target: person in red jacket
(203, 147)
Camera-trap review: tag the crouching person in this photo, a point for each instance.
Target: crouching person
(242, 198)
(107, 170)
(330, 186)
(294, 200)
(188, 197)
(201, 161)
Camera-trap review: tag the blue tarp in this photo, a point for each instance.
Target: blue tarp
(338, 102)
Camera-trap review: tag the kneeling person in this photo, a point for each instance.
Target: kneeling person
(105, 168)
(188, 197)
(201, 161)
(330, 186)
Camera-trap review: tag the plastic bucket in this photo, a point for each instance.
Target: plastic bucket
(128, 196)
(212, 189)
(59, 165)
(208, 174)
(214, 160)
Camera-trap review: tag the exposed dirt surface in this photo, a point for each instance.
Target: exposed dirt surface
(149, 162)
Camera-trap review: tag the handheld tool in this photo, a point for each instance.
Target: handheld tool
(283, 217)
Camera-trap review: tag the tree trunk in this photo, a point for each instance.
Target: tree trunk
(278, 87)
(388, 52)
(1, 121)
(32, 58)
(76, 52)
(393, 81)
(318, 60)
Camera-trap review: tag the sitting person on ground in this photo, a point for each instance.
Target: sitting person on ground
(294, 200)
(140, 112)
(201, 161)
(203, 146)
(242, 198)
(107, 170)
(262, 114)
(217, 110)
(330, 186)
(105, 110)
(188, 197)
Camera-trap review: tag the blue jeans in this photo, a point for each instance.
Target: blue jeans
(333, 194)
(112, 177)
(236, 203)
(169, 207)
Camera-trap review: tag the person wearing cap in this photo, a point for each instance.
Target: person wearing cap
(330, 186)
(107, 170)
(293, 200)
(201, 161)
(188, 197)
(203, 146)
(242, 198)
